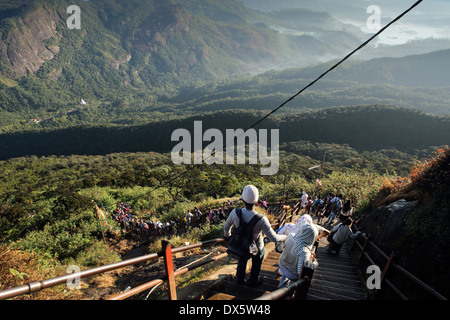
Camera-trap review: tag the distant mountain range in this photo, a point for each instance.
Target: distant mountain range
(140, 61)
(126, 47)
(153, 39)
(153, 47)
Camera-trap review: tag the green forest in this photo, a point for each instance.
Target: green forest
(364, 128)
(146, 68)
(50, 198)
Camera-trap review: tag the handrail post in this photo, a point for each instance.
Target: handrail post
(168, 264)
(363, 248)
(386, 267)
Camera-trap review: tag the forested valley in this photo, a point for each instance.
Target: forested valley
(87, 116)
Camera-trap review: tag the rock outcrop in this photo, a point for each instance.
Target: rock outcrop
(25, 48)
(386, 224)
(416, 230)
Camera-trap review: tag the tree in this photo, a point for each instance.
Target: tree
(68, 203)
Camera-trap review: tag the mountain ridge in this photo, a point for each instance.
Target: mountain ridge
(363, 128)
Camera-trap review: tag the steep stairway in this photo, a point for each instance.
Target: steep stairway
(229, 290)
(336, 278)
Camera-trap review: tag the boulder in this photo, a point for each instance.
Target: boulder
(386, 224)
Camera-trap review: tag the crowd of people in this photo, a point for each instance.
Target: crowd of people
(294, 240)
(330, 207)
(141, 228)
(146, 228)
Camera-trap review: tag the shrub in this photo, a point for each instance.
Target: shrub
(425, 178)
(64, 239)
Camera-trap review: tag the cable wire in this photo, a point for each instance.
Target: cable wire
(313, 82)
(337, 64)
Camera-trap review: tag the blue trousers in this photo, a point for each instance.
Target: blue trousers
(331, 217)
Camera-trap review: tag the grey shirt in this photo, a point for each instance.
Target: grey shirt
(343, 233)
(262, 226)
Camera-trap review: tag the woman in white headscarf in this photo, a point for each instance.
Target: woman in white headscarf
(289, 228)
(298, 248)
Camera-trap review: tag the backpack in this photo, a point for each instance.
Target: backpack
(242, 238)
(334, 206)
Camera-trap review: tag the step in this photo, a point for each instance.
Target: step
(349, 280)
(336, 264)
(344, 262)
(338, 288)
(344, 268)
(339, 257)
(269, 268)
(327, 255)
(269, 284)
(241, 292)
(328, 295)
(336, 273)
(267, 274)
(221, 296)
(311, 296)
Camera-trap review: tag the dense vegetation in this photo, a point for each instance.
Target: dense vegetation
(365, 128)
(135, 80)
(56, 107)
(46, 201)
(420, 235)
(141, 88)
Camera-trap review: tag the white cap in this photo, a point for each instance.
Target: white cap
(250, 194)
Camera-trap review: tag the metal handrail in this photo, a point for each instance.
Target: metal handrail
(48, 283)
(155, 282)
(285, 291)
(389, 264)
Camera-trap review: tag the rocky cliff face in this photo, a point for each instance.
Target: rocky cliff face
(386, 224)
(166, 39)
(416, 230)
(387, 227)
(25, 48)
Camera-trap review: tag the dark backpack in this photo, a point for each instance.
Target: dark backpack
(242, 238)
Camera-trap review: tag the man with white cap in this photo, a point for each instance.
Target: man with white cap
(250, 196)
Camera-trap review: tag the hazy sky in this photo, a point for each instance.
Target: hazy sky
(431, 19)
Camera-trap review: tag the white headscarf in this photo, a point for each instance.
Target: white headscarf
(307, 234)
(297, 226)
(304, 219)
